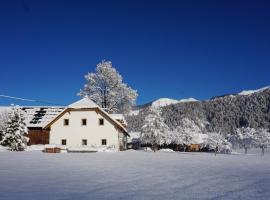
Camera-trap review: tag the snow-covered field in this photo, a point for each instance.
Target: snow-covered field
(134, 175)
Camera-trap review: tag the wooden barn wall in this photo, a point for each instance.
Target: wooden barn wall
(38, 137)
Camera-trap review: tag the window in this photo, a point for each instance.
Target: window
(84, 142)
(84, 122)
(104, 142)
(64, 142)
(101, 122)
(66, 122)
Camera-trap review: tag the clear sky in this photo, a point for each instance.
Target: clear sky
(175, 49)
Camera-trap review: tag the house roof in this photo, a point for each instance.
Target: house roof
(83, 103)
(86, 104)
(44, 116)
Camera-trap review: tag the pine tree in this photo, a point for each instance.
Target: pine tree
(3, 122)
(15, 133)
(106, 88)
(154, 131)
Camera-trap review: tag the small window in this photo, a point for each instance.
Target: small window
(104, 142)
(84, 122)
(84, 142)
(66, 122)
(101, 122)
(64, 142)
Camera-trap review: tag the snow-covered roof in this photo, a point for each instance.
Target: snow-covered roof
(40, 116)
(119, 117)
(37, 116)
(83, 103)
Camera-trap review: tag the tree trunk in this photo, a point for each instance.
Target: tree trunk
(262, 150)
(245, 149)
(154, 147)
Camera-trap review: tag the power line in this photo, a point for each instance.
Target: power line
(30, 100)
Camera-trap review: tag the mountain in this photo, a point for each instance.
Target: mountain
(249, 108)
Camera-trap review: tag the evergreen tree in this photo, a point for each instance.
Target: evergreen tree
(3, 122)
(15, 133)
(106, 88)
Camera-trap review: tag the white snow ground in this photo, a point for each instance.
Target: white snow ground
(134, 175)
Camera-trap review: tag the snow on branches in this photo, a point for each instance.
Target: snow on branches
(186, 133)
(3, 122)
(245, 137)
(106, 88)
(15, 132)
(262, 139)
(217, 142)
(154, 131)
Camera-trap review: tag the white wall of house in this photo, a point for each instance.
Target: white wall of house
(75, 132)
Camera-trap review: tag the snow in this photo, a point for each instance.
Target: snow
(83, 103)
(187, 100)
(166, 150)
(63, 148)
(166, 101)
(198, 138)
(134, 136)
(37, 116)
(134, 112)
(133, 175)
(163, 102)
(249, 92)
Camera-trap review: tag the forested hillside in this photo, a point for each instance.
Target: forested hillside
(221, 114)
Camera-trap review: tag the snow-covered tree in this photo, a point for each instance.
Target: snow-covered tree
(3, 122)
(106, 88)
(217, 142)
(262, 139)
(15, 133)
(185, 133)
(154, 131)
(245, 136)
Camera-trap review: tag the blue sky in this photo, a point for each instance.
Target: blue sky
(174, 49)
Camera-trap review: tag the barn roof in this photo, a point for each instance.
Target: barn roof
(40, 116)
(37, 116)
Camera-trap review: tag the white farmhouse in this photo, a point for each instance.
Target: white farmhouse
(84, 123)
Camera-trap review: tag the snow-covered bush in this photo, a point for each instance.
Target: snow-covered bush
(106, 88)
(217, 142)
(262, 139)
(246, 137)
(154, 130)
(15, 133)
